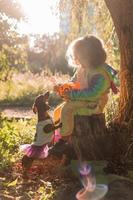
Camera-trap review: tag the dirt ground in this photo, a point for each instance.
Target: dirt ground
(44, 179)
(17, 112)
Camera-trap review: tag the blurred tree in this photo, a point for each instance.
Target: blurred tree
(11, 8)
(35, 61)
(49, 51)
(105, 29)
(79, 21)
(12, 45)
(89, 17)
(122, 15)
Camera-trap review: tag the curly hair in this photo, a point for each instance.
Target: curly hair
(86, 51)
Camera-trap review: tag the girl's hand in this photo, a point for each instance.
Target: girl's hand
(56, 87)
(66, 95)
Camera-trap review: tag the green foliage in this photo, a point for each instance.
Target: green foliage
(12, 45)
(12, 50)
(12, 134)
(111, 109)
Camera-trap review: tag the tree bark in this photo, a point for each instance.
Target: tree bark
(122, 15)
(87, 136)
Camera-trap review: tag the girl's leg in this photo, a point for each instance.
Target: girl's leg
(65, 112)
(57, 113)
(67, 118)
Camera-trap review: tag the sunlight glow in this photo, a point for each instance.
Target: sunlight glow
(40, 16)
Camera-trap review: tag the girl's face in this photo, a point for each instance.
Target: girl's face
(82, 63)
(80, 59)
(77, 62)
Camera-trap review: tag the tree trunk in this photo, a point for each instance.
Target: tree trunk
(122, 14)
(87, 137)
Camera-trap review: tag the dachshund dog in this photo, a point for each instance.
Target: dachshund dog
(44, 129)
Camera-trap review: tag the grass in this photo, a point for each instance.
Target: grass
(12, 134)
(23, 88)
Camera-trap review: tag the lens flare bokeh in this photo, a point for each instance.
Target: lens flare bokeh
(91, 190)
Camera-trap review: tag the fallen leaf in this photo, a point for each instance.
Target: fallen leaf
(13, 183)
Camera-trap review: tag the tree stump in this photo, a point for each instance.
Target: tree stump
(88, 137)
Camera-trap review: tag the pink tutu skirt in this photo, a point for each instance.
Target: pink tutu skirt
(56, 136)
(34, 151)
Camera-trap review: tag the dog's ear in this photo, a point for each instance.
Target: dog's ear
(46, 95)
(34, 108)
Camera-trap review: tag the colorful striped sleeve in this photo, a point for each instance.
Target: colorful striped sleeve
(98, 85)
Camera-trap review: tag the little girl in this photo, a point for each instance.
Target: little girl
(95, 78)
(44, 131)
